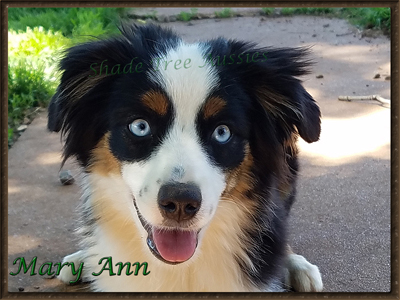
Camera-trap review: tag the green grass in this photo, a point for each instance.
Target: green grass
(10, 135)
(36, 45)
(224, 13)
(187, 16)
(362, 17)
(71, 22)
(288, 11)
(32, 75)
(27, 88)
(36, 38)
(268, 10)
(368, 17)
(152, 15)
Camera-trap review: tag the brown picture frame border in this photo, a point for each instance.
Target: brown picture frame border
(394, 5)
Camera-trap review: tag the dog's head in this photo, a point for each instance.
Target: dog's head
(179, 122)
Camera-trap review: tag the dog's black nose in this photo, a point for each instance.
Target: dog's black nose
(179, 201)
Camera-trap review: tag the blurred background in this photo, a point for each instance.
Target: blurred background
(37, 36)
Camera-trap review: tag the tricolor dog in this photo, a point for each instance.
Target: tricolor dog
(189, 159)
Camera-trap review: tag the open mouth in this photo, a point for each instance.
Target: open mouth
(170, 245)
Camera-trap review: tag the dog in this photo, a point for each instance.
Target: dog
(189, 161)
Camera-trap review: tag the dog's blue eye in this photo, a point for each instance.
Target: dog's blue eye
(140, 127)
(222, 134)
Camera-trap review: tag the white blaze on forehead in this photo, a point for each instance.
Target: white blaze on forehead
(187, 87)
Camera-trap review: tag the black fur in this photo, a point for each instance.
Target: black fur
(85, 121)
(267, 137)
(249, 89)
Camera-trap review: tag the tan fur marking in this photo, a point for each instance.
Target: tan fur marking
(290, 144)
(235, 210)
(289, 249)
(103, 162)
(240, 179)
(78, 86)
(213, 106)
(275, 104)
(121, 237)
(285, 185)
(156, 102)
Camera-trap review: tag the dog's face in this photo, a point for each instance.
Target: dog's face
(178, 145)
(181, 126)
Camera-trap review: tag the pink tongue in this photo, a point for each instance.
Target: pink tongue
(175, 245)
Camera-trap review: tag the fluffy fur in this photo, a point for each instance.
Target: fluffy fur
(222, 126)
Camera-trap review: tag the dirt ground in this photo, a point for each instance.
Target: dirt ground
(341, 220)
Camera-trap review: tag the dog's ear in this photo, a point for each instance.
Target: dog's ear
(54, 114)
(290, 105)
(283, 94)
(270, 77)
(79, 109)
(308, 122)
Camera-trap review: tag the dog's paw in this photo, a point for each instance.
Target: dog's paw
(303, 276)
(66, 275)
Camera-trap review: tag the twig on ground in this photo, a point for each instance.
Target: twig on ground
(371, 97)
(343, 34)
(33, 112)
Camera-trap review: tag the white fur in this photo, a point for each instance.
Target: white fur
(119, 234)
(188, 90)
(179, 150)
(302, 276)
(66, 275)
(189, 87)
